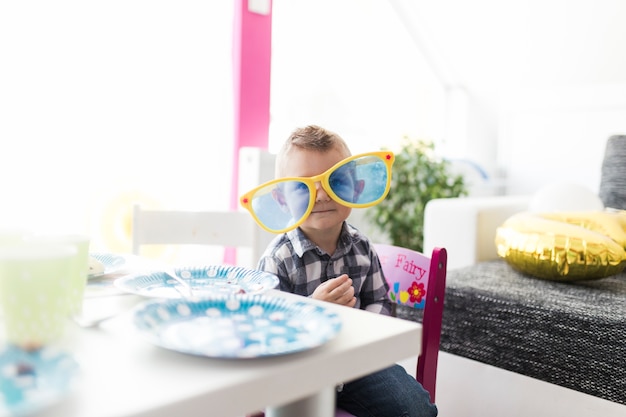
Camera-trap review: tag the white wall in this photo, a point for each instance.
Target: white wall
(351, 66)
(512, 56)
(558, 135)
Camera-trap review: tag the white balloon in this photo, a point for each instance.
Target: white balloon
(565, 197)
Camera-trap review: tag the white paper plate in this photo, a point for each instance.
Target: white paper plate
(205, 281)
(246, 326)
(32, 381)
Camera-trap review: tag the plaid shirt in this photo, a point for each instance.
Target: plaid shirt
(301, 266)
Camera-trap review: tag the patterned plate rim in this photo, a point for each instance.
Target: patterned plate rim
(149, 316)
(118, 262)
(137, 283)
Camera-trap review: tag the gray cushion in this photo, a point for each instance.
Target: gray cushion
(613, 179)
(569, 334)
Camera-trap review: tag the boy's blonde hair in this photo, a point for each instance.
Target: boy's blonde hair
(310, 138)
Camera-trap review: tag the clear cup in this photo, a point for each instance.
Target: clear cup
(34, 282)
(80, 266)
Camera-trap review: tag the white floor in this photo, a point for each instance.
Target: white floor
(466, 388)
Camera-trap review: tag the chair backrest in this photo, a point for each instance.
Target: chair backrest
(228, 229)
(419, 281)
(231, 229)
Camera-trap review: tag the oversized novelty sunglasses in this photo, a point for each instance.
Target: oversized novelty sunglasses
(283, 204)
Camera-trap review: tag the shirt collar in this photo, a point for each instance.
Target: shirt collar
(302, 244)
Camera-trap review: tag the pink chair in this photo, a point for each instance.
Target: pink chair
(417, 281)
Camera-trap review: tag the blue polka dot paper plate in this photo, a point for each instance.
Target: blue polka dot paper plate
(245, 326)
(110, 263)
(205, 281)
(33, 380)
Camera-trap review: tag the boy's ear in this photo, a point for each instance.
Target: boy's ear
(279, 197)
(358, 189)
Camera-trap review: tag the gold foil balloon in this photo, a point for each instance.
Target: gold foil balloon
(565, 246)
(605, 222)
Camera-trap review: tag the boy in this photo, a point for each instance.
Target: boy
(327, 259)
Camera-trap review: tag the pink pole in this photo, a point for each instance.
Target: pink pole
(252, 52)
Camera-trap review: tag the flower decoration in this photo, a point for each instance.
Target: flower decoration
(416, 292)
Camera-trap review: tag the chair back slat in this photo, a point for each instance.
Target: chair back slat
(229, 229)
(406, 272)
(433, 316)
(419, 281)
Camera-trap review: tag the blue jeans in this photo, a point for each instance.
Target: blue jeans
(391, 392)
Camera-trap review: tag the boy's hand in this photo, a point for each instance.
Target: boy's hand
(336, 290)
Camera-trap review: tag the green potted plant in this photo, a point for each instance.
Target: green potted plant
(418, 177)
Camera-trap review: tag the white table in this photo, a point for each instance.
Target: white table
(122, 375)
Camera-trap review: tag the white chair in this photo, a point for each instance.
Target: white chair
(229, 229)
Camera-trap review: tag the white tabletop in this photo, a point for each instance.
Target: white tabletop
(122, 375)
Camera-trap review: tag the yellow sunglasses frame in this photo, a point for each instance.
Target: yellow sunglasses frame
(387, 157)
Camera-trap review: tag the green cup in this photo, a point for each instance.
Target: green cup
(80, 266)
(34, 282)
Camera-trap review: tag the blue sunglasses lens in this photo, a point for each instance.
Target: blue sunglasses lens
(344, 183)
(282, 204)
(360, 181)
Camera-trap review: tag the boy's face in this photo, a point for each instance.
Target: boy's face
(327, 214)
